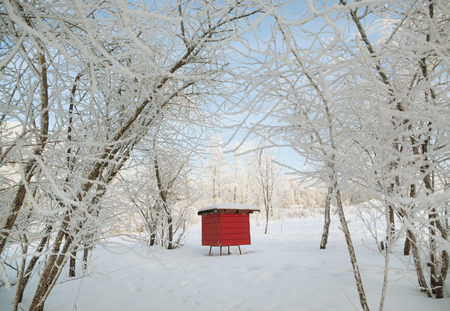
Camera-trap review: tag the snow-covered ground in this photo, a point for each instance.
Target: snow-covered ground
(284, 270)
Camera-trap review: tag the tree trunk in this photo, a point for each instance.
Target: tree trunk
(390, 242)
(85, 258)
(16, 205)
(266, 206)
(412, 194)
(390, 231)
(438, 230)
(351, 251)
(407, 247)
(72, 263)
(418, 264)
(438, 259)
(267, 222)
(32, 264)
(214, 181)
(326, 225)
(386, 271)
(56, 262)
(20, 283)
(152, 238)
(170, 232)
(53, 265)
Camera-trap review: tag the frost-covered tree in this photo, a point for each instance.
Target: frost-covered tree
(86, 81)
(154, 192)
(266, 173)
(218, 171)
(359, 89)
(406, 145)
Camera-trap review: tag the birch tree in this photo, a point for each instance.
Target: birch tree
(267, 174)
(359, 92)
(406, 82)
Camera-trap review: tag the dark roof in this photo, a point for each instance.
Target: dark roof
(229, 208)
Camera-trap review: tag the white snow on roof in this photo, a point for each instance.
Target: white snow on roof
(230, 206)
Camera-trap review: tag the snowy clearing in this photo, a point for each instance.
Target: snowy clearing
(284, 270)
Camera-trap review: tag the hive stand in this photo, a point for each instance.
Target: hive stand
(210, 250)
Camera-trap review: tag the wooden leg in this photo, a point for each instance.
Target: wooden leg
(240, 250)
(229, 250)
(210, 250)
(221, 251)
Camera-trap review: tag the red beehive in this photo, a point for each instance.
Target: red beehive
(226, 225)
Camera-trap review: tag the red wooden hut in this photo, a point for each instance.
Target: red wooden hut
(226, 224)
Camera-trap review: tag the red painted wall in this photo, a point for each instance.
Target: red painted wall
(221, 229)
(210, 229)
